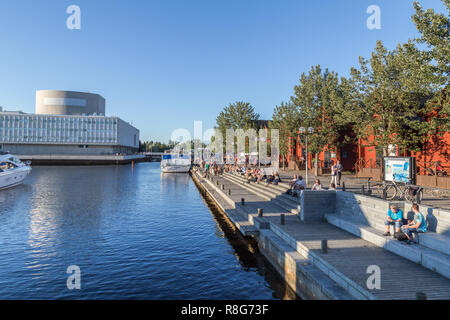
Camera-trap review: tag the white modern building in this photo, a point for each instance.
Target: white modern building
(66, 123)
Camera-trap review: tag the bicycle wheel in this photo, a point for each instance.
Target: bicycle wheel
(412, 197)
(391, 191)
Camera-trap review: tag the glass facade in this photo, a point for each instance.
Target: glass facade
(51, 129)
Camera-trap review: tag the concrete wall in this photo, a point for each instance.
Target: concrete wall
(127, 134)
(68, 103)
(362, 208)
(42, 149)
(315, 204)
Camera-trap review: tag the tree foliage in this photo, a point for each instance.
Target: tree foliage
(316, 98)
(238, 115)
(287, 121)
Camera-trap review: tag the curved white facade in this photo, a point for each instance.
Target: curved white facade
(58, 102)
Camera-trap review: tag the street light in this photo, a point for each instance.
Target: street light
(303, 132)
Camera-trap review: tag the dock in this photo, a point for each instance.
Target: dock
(62, 159)
(352, 228)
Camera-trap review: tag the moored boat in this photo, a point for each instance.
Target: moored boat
(175, 163)
(12, 171)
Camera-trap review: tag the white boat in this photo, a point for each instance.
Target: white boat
(12, 171)
(175, 163)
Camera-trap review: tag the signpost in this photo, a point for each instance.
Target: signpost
(399, 169)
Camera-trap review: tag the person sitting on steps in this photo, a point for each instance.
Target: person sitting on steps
(394, 217)
(418, 225)
(317, 186)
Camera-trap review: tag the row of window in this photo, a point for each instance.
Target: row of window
(25, 128)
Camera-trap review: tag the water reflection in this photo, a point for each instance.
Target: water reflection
(135, 233)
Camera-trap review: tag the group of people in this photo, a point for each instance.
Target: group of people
(253, 174)
(417, 224)
(297, 184)
(213, 169)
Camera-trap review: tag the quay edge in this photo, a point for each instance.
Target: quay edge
(305, 279)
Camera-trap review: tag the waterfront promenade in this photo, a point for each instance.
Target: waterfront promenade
(434, 197)
(294, 248)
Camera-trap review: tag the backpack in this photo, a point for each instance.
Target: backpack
(400, 236)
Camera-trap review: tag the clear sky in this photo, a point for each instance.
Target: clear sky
(163, 64)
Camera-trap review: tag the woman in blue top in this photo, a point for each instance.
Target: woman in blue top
(393, 217)
(418, 225)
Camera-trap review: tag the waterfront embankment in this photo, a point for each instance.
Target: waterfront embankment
(55, 159)
(291, 231)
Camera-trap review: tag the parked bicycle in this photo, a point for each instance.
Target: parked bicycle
(395, 190)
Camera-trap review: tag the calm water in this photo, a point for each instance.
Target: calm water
(134, 233)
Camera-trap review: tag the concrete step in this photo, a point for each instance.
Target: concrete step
(432, 240)
(418, 253)
(249, 188)
(283, 201)
(276, 188)
(267, 190)
(254, 186)
(435, 241)
(343, 280)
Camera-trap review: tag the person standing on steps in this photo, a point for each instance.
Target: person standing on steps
(339, 169)
(334, 172)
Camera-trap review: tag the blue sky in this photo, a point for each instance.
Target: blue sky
(163, 64)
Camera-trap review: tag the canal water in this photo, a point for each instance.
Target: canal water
(133, 232)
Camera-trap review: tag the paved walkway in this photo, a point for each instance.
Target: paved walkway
(439, 198)
(400, 278)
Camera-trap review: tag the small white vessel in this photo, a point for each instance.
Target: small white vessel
(12, 171)
(175, 163)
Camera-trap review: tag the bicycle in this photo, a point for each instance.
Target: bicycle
(392, 189)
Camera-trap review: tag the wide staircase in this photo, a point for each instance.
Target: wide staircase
(364, 217)
(273, 193)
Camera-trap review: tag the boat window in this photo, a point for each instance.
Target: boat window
(14, 159)
(6, 166)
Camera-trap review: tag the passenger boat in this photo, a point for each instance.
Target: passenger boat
(175, 163)
(12, 171)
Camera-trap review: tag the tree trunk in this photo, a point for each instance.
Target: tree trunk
(316, 171)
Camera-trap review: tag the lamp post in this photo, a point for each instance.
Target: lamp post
(305, 132)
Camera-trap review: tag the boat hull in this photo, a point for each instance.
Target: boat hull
(175, 169)
(12, 178)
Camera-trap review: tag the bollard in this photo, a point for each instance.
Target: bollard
(343, 186)
(282, 219)
(418, 197)
(260, 212)
(369, 191)
(217, 182)
(243, 201)
(223, 187)
(384, 194)
(324, 246)
(229, 192)
(421, 296)
(363, 191)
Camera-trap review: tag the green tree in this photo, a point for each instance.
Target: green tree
(435, 34)
(239, 115)
(388, 92)
(316, 98)
(286, 119)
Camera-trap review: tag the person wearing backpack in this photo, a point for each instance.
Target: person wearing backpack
(418, 225)
(394, 217)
